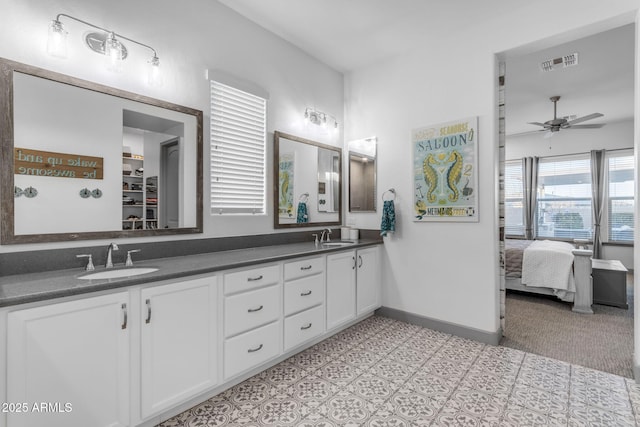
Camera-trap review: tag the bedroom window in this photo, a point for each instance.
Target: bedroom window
(620, 200)
(238, 136)
(564, 198)
(513, 206)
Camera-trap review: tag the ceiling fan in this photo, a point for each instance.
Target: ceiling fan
(554, 125)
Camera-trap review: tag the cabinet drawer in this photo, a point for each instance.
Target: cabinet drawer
(245, 280)
(251, 309)
(251, 349)
(303, 293)
(305, 267)
(303, 326)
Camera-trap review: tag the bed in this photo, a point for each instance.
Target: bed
(550, 268)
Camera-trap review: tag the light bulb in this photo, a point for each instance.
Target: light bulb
(57, 41)
(113, 52)
(155, 76)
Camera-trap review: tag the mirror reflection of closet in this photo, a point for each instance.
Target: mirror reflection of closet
(362, 175)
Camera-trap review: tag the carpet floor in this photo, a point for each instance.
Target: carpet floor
(547, 327)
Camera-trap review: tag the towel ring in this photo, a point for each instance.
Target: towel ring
(303, 197)
(393, 194)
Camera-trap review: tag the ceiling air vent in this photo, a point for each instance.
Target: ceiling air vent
(561, 62)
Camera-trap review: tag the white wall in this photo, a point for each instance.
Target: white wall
(449, 271)
(190, 37)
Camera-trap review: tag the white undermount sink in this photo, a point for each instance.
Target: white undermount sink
(337, 244)
(114, 274)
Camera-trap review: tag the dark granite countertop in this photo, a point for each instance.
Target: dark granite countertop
(25, 288)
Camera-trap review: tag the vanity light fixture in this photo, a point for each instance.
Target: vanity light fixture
(319, 118)
(104, 42)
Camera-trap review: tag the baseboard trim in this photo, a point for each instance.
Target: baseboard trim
(492, 338)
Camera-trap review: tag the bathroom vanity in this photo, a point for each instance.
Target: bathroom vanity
(134, 351)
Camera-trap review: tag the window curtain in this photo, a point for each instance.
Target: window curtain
(530, 187)
(597, 194)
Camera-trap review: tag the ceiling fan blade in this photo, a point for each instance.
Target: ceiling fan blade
(528, 132)
(584, 119)
(589, 126)
(536, 123)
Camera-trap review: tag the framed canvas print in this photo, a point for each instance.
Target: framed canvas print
(445, 164)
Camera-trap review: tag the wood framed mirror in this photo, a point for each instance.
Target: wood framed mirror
(82, 160)
(307, 189)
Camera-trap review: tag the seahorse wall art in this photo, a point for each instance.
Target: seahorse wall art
(430, 177)
(453, 175)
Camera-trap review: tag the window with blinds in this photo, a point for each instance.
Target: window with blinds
(238, 134)
(564, 198)
(620, 198)
(513, 194)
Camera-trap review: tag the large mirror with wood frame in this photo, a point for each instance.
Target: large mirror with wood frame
(86, 161)
(307, 190)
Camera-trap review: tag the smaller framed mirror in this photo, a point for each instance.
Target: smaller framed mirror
(362, 175)
(307, 189)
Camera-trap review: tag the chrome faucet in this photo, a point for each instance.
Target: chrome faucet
(109, 263)
(327, 231)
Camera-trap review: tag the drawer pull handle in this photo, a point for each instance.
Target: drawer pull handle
(253, 350)
(124, 321)
(354, 262)
(309, 267)
(306, 327)
(305, 294)
(253, 310)
(254, 279)
(148, 319)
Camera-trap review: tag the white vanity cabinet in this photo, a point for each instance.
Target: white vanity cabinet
(367, 280)
(252, 318)
(353, 285)
(341, 288)
(69, 363)
(178, 342)
(304, 296)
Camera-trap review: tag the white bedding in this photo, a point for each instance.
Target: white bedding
(549, 264)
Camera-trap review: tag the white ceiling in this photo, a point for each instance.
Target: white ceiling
(350, 34)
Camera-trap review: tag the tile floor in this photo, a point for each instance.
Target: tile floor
(382, 372)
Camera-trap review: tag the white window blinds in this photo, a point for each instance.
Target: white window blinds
(621, 172)
(238, 134)
(513, 193)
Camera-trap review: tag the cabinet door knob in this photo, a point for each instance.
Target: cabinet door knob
(148, 319)
(124, 321)
(253, 310)
(253, 350)
(305, 294)
(305, 327)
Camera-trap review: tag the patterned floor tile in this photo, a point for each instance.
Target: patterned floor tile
(519, 416)
(583, 395)
(580, 374)
(539, 400)
(386, 373)
(338, 373)
(280, 412)
(360, 357)
(543, 380)
(372, 388)
(592, 417)
(378, 345)
(313, 390)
